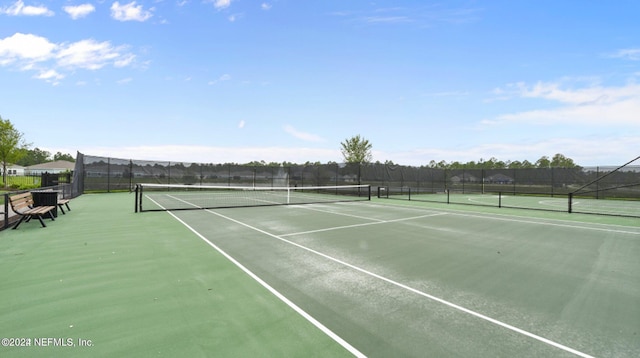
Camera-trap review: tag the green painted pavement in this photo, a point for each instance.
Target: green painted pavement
(131, 285)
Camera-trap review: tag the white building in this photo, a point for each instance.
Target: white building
(13, 170)
(59, 166)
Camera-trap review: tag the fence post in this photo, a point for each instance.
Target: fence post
(6, 210)
(108, 175)
(130, 174)
(553, 183)
(598, 183)
(463, 176)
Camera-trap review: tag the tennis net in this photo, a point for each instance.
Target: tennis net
(161, 197)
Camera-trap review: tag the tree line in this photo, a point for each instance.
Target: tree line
(557, 161)
(358, 150)
(39, 156)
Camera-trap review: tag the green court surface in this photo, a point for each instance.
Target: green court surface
(383, 278)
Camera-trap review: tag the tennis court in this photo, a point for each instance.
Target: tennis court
(372, 278)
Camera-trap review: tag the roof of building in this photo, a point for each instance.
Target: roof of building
(58, 164)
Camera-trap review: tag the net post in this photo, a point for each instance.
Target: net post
(288, 195)
(499, 199)
(570, 203)
(136, 202)
(409, 193)
(140, 199)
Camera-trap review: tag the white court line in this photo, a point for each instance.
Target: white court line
(341, 214)
(431, 297)
(548, 223)
(358, 225)
(513, 218)
(280, 296)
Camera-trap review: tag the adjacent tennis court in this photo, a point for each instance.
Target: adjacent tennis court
(559, 203)
(372, 278)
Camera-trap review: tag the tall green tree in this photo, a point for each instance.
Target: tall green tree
(560, 161)
(33, 156)
(543, 162)
(66, 156)
(12, 146)
(356, 150)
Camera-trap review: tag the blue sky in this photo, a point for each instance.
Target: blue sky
(283, 80)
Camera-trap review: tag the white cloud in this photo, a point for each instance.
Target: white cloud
(620, 112)
(79, 11)
(241, 124)
(632, 54)
(88, 54)
(588, 95)
(387, 19)
(302, 135)
(124, 60)
(221, 4)
(428, 15)
(129, 12)
(235, 17)
(225, 77)
(590, 105)
(19, 9)
(265, 6)
(51, 76)
(26, 48)
(28, 52)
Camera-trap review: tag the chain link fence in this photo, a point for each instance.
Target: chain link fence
(104, 174)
